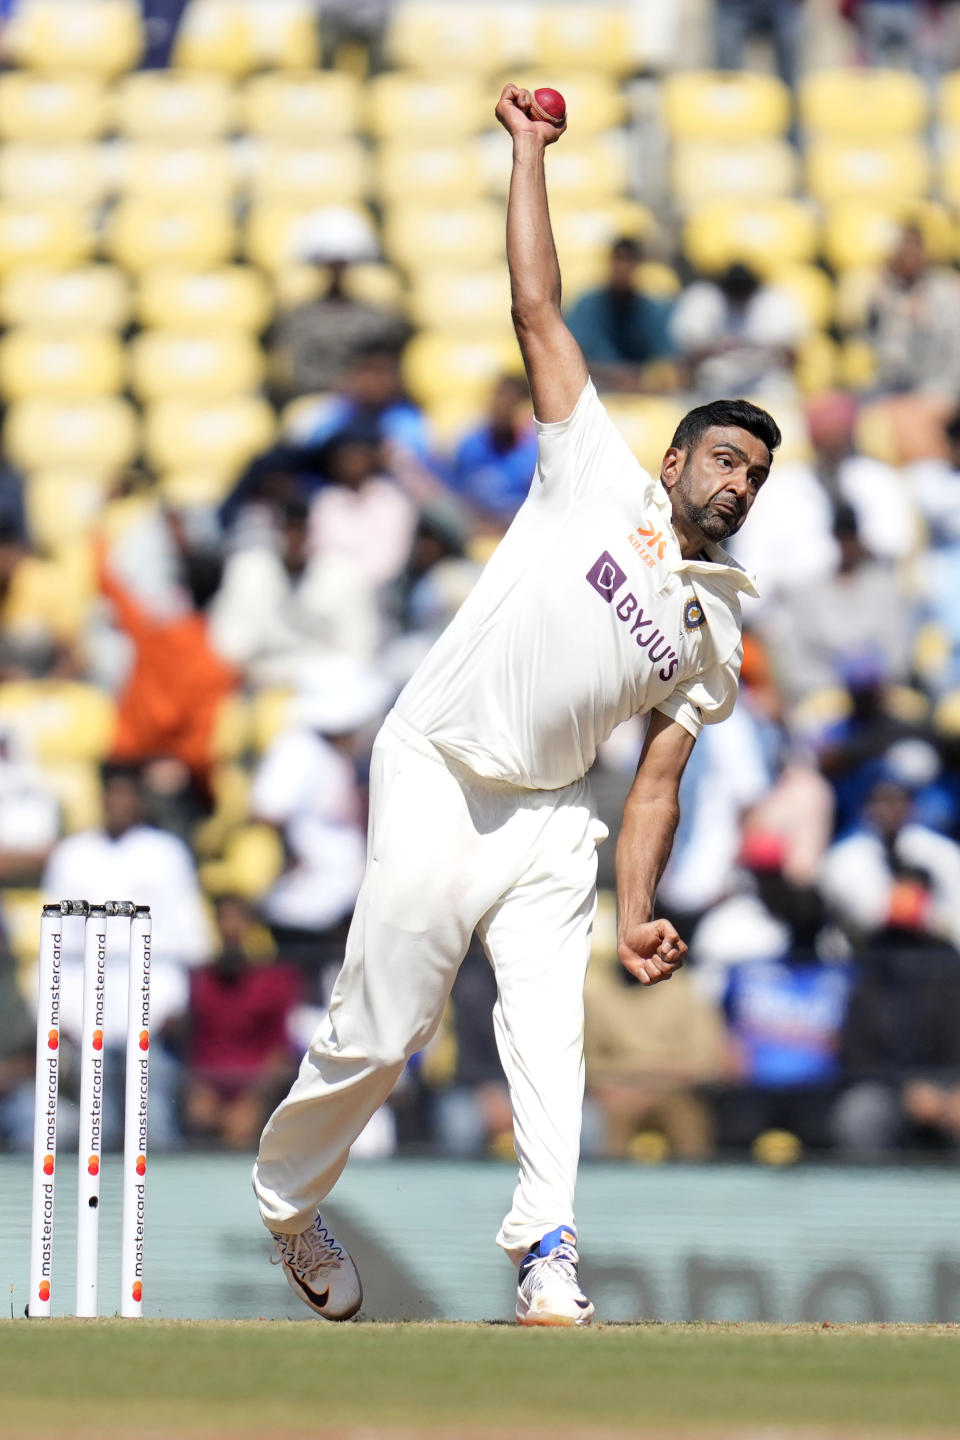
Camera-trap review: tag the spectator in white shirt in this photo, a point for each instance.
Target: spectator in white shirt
(893, 871)
(737, 335)
(307, 787)
(281, 606)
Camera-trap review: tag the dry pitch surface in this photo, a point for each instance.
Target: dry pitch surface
(167, 1380)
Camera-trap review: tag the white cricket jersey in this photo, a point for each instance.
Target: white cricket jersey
(586, 613)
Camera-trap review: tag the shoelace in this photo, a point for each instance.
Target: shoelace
(310, 1253)
(561, 1262)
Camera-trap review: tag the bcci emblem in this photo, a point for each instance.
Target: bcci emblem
(693, 616)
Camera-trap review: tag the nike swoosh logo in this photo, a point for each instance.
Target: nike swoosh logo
(312, 1296)
(582, 1303)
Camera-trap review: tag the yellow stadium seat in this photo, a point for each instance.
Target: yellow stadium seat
(583, 232)
(855, 290)
(948, 101)
(253, 861)
(31, 173)
(66, 720)
(143, 235)
(270, 716)
(71, 366)
(598, 37)
(862, 104)
(950, 171)
(702, 170)
(439, 37)
(401, 106)
(450, 174)
(440, 364)
(219, 436)
(647, 423)
(76, 784)
(334, 173)
(275, 235)
(174, 108)
(177, 175)
(98, 37)
(302, 106)
(590, 172)
(857, 234)
(22, 910)
(719, 105)
(593, 104)
(467, 301)
(88, 435)
(841, 170)
(231, 740)
(418, 237)
(283, 34)
(49, 234)
(813, 288)
(766, 236)
(96, 297)
(817, 366)
(215, 37)
(164, 363)
(50, 107)
(858, 364)
(230, 782)
(64, 505)
(187, 489)
(234, 297)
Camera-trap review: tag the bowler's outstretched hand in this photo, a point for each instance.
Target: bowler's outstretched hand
(651, 951)
(513, 112)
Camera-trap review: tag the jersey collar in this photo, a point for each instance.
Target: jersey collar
(718, 564)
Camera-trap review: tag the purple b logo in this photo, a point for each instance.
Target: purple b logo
(606, 577)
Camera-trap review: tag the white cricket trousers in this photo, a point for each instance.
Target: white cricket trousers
(450, 853)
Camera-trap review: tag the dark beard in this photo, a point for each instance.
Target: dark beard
(715, 527)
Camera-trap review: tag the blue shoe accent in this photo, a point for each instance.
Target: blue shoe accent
(563, 1235)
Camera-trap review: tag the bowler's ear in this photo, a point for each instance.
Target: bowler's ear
(671, 467)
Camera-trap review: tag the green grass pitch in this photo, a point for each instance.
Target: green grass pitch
(155, 1380)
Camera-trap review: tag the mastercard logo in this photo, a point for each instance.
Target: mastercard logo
(141, 1164)
(137, 1291)
(93, 1166)
(48, 1163)
(44, 1290)
(53, 1039)
(98, 1039)
(144, 1040)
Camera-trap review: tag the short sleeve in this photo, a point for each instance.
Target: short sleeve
(705, 699)
(581, 453)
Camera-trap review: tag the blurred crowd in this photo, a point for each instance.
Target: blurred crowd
(250, 646)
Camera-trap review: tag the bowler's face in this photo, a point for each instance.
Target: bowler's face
(714, 486)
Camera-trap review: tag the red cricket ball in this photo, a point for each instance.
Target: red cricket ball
(548, 105)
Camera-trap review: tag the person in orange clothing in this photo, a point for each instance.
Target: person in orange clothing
(177, 683)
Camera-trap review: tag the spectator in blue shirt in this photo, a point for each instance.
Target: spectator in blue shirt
(619, 329)
(494, 464)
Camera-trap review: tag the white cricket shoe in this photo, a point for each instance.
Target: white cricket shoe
(548, 1290)
(320, 1270)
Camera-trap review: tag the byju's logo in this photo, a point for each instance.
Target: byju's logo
(606, 577)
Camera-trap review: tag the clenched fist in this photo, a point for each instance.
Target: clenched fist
(651, 951)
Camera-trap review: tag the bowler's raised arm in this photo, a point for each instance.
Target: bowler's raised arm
(555, 366)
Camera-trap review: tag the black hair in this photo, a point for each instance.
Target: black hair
(128, 770)
(739, 413)
(628, 246)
